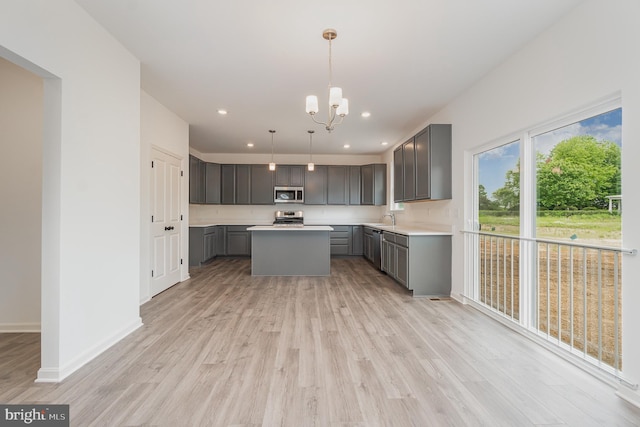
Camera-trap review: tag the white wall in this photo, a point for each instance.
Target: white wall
(21, 107)
(162, 129)
(589, 55)
(91, 178)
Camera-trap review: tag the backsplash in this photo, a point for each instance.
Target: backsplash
(326, 214)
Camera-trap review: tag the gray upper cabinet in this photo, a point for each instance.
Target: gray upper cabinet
(289, 176)
(212, 183)
(315, 186)
(196, 180)
(354, 185)
(374, 188)
(337, 185)
(227, 184)
(433, 162)
(243, 184)
(398, 175)
(261, 185)
(409, 169)
(235, 184)
(422, 166)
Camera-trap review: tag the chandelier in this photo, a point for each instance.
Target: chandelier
(338, 106)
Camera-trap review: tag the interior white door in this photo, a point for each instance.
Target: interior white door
(166, 221)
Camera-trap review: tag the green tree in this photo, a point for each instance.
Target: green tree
(578, 173)
(485, 203)
(508, 197)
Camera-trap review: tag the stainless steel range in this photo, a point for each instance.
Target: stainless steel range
(289, 219)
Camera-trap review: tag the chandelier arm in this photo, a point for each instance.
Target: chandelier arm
(314, 119)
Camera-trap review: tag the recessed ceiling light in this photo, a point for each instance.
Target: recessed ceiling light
(250, 144)
(365, 114)
(222, 112)
(347, 146)
(384, 143)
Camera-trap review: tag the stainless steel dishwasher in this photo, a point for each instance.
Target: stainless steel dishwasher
(377, 248)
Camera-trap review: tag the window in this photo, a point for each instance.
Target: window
(546, 251)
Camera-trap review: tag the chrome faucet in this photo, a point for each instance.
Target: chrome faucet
(392, 216)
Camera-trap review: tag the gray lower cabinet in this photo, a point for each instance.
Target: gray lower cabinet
(420, 263)
(202, 244)
(356, 240)
(346, 240)
(238, 240)
(367, 243)
(340, 240)
(261, 185)
(315, 186)
(221, 240)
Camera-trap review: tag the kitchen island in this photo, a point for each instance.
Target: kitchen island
(290, 251)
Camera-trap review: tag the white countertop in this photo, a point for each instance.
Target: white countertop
(290, 228)
(411, 230)
(405, 229)
(230, 222)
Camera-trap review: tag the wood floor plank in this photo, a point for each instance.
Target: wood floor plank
(352, 349)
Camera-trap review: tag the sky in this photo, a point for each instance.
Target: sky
(494, 164)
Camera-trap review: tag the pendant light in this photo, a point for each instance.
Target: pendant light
(338, 106)
(272, 164)
(310, 165)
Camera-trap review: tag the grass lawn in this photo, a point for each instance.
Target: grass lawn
(592, 228)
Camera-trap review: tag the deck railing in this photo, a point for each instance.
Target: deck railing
(573, 297)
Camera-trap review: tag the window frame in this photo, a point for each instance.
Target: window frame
(528, 203)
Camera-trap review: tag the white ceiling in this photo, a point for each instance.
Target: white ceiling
(401, 60)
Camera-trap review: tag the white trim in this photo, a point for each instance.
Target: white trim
(51, 375)
(596, 108)
(168, 153)
(629, 395)
(19, 327)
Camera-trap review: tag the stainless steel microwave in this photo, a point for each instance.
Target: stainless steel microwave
(288, 194)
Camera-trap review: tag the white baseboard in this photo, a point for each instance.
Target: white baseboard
(19, 327)
(631, 396)
(53, 375)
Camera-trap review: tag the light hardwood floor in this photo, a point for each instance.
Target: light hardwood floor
(352, 349)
